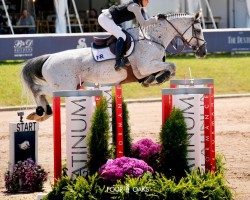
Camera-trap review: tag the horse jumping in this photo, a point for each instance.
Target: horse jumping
(62, 71)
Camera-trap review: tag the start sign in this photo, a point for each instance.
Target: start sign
(23, 141)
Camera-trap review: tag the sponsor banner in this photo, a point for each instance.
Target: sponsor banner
(22, 47)
(26, 47)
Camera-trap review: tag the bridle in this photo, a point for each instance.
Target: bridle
(195, 32)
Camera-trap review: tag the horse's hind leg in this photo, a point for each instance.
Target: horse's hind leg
(47, 111)
(43, 109)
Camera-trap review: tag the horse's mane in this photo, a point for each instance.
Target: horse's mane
(168, 17)
(171, 16)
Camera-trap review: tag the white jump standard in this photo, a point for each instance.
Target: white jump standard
(79, 109)
(194, 103)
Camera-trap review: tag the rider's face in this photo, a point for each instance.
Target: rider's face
(144, 3)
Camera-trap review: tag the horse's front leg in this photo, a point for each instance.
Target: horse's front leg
(160, 72)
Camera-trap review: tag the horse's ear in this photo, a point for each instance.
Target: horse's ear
(197, 15)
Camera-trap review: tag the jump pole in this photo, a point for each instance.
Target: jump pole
(107, 93)
(57, 138)
(119, 122)
(57, 125)
(187, 99)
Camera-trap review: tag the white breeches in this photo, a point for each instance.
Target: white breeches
(109, 25)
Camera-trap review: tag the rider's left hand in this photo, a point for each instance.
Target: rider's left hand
(161, 16)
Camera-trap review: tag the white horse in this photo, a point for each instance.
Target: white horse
(61, 71)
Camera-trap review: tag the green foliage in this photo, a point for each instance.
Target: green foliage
(127, 142)
(98, 137)
(220, 163)
(59, 189)
(88, 188)
(195, 186)
(173, 137)
(78, 188)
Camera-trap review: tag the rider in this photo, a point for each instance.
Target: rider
(110, 18)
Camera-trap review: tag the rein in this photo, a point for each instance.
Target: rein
(145, 38)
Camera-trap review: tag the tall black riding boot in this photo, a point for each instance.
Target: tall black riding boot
(120, 63)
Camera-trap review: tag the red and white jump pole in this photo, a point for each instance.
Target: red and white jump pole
(79, 107)
(119, 122)
(107, 93)
(190, 96)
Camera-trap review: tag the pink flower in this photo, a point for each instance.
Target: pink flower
(28, 173)
(146, 150)
(124, 166)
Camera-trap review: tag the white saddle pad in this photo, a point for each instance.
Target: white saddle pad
(102, 54)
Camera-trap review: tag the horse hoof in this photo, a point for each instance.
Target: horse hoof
(48, 110)
(163, 77)
(33, 116)
(144, 84)
(43, 118)
(40, 111)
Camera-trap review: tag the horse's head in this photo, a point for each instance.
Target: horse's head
(195, 38)
(187, 27)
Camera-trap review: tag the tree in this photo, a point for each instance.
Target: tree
(98, 152)
(173, 137)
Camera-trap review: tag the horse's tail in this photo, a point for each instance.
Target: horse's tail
(31, 73)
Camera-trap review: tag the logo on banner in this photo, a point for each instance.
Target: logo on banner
(25, 145)
(81, 43)
(23, 48)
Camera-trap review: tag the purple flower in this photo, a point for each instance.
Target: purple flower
(124, 166)
(146, 150)
(26, 175)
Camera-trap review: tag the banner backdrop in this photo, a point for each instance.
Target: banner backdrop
(22, 47)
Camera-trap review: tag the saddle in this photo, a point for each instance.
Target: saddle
(111, 42)
(104, 48)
